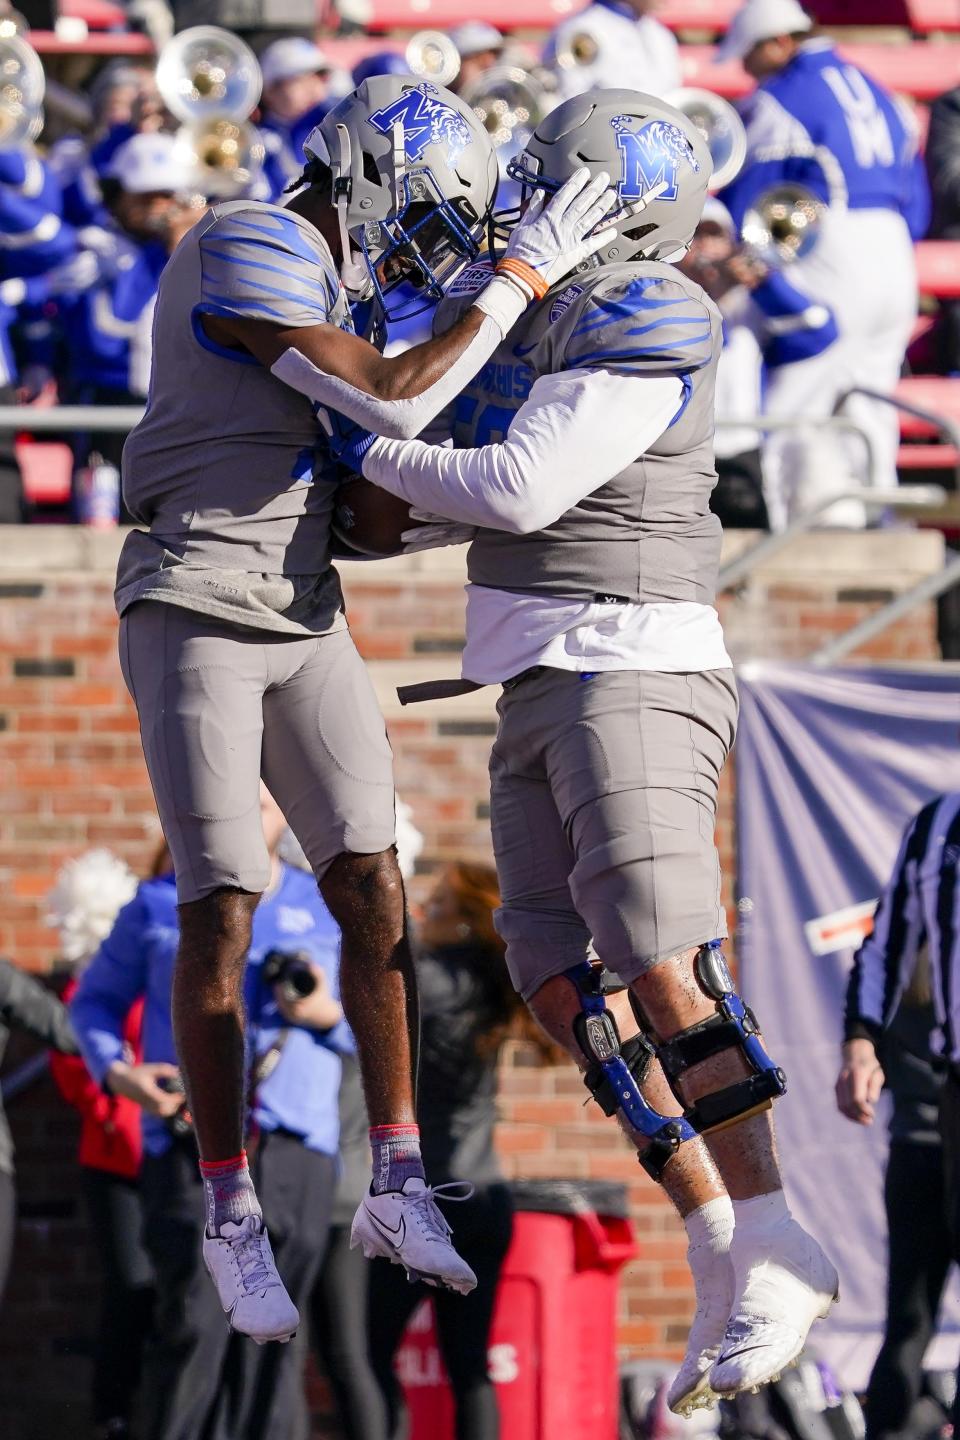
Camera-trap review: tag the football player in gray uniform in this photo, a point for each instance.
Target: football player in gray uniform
(233, 639)
(584, 458)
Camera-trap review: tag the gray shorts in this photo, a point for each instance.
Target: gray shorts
(603, 807)
(219, 706)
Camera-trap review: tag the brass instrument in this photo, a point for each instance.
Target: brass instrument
(22, 86)
(509, 102)
(720, 126)
(581, 48)
(783, 224)
(210, 81)
(432, 55)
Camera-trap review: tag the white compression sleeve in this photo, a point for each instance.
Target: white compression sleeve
(575, 431)
(502, 305)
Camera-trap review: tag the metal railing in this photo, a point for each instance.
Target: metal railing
(37, 419)
(930, 588)
(907, 497)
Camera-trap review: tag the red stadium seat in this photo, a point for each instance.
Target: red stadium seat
(940, 394)
(927, 15)
(47, 469)
(103, 42)
(96, 14)
(938, 268)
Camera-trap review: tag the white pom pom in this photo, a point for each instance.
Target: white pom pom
(85, 900)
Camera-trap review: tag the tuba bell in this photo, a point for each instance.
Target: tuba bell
(432, 55)
(783, 225)
(210, 81)
(720, 126)
(22, 86)
(509, 102)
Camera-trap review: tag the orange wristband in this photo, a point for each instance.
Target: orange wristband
(526, 274)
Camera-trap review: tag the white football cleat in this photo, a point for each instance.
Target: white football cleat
(784, 1283)
(242, 1267)
(691, 1389)
(406, 1227)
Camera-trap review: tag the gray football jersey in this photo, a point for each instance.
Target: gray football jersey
(647, 533)
(228, 469)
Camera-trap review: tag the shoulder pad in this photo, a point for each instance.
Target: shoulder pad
(647, 318)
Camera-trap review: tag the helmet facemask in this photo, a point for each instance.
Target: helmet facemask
(414, 180)
(422, 247)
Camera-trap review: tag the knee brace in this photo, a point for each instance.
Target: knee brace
(734, 1027)
(616, 1071)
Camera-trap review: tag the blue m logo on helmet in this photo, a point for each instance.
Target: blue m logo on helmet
(651, 155)
(427, 120)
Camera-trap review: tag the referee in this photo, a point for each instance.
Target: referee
(917, 921)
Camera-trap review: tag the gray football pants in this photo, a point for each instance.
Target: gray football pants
(603, 807)
(220, 706)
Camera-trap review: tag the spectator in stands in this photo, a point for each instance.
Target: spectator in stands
(614, 43)
(480, 47)
(767, 323)
(199, 1376)
(943, 168)
(105, 300)
(34, 240)
(84, 903)
(338, 1305)
(469, 1008)
(27, 1005)
(918, 1236)
(817, 121)
(339, 1302)
(296, 96)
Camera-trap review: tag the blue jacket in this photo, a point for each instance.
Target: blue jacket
(33, 238)
(823, 123)
(100, 320)
(137, 960)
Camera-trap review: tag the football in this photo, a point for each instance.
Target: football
(369, 521)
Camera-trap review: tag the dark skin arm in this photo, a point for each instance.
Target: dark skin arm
(337, 353)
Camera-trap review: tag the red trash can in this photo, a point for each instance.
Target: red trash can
(553, 1347)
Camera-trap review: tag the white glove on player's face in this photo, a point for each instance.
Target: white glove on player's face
(434, 531)
(553, 238)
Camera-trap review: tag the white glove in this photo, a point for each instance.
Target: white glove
(81, 272)
(554, 238)
(434, 531)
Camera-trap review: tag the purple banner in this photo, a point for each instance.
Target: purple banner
(830, 766)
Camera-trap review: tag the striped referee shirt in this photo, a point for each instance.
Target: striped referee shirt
(920, 905)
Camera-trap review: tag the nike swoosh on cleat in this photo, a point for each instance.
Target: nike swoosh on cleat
(735, 1354)
(394, 1233)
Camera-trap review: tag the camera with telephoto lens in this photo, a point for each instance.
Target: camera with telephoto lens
(292, 971)
(179, 1124)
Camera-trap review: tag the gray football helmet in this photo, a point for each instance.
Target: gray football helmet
(658, 161)
(414, 181)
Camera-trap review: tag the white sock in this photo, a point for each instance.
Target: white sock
(761, 1214)
(711, 1225)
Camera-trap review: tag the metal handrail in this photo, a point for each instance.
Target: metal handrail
(907, 497)
(69, 417)
(947, 427)
(927, 589)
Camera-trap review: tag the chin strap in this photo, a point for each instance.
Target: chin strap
(354, 274)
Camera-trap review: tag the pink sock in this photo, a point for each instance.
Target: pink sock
(396, 1156)
(229, 1192)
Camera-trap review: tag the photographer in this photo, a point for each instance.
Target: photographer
(202, 1380)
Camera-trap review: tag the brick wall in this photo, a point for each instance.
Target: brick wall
(71, 776)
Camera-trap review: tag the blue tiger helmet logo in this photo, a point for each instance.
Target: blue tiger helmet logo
(650, 155)
(427, 120)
